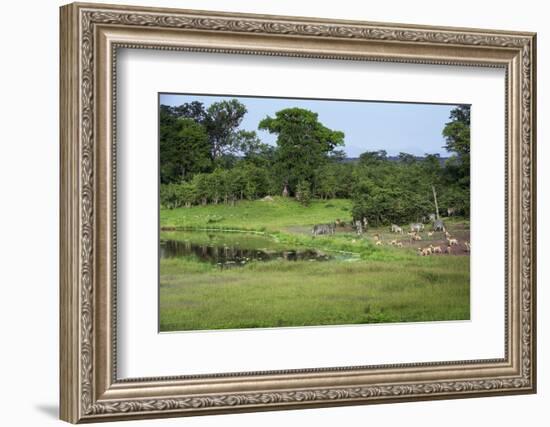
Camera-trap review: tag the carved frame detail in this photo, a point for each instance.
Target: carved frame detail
(82, 399)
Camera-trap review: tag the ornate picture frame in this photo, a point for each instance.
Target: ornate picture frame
(90, 37)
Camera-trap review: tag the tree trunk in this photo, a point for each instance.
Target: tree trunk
(435, 201)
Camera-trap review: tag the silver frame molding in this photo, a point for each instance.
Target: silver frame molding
(90, 37)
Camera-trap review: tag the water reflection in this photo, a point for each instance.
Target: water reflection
(235, 254)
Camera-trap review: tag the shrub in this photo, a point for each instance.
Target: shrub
(303, 193)
(178, 195)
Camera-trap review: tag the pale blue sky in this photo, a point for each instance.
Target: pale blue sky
(368, 126)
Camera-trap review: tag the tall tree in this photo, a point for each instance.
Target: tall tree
(457, 138)
(222, 121)
(303, 145)
(457, 167)
(184, 149)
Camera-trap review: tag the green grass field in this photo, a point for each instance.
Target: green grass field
(256, 215)
(375, 284)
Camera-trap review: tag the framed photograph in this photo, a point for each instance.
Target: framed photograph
(266, 212)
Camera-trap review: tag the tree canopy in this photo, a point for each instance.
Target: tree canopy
(303, 145)
(222, 121)
(183, 130)
(457, 170)
(184, 148)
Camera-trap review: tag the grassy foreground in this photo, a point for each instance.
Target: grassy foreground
(196, 295)
(380, 284)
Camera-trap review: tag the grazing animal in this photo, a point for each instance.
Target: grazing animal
(285, 190)
(425, 251)
(411, 234)
(447, 235)
(359, 227)
(449, 250)
(393, 242)
(430, 233)
(376, 237)
(417, 227)
(451, 211)
(319, 229)
(399, 244)
(396, 229)
(467, 245)
(438, 225)
(452, 242)
(417, 237)
(340, 223)
(436, 249)
(379, 243)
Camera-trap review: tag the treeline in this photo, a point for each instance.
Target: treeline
(246, 180)
(386, 191)
(206, 159)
